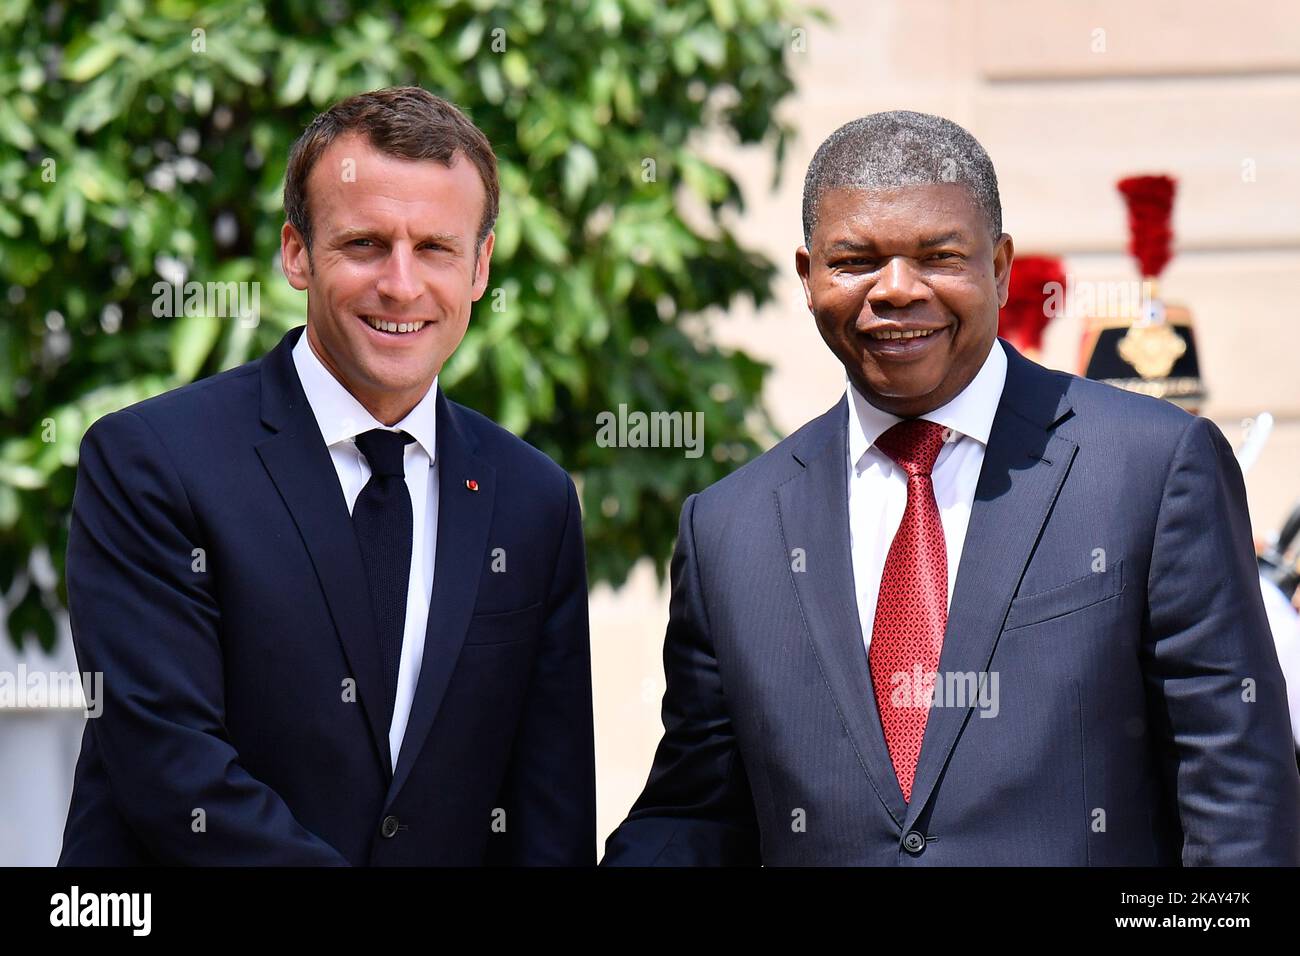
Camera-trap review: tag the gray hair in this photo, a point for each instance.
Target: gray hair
(901, 148)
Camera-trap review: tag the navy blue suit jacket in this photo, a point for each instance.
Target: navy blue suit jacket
(228, 733)
(1107, 578)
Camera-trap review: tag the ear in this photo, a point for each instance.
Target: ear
(803, 266)
(481, 266)
(1003, 253)
(294, 258)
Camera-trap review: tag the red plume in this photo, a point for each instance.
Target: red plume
(1028, 310)
(1150, 202)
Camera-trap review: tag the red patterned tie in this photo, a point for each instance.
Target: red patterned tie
(912, 609)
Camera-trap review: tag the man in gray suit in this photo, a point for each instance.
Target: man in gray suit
(977, 613)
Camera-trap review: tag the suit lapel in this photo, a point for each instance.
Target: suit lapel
(299, 464)
(464, 519)
(1025, 465)
(812, 509)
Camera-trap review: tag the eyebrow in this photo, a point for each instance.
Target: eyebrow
(450, 240)
(866, 245)
(955, 236)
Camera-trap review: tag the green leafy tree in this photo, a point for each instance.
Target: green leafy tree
(145, 142)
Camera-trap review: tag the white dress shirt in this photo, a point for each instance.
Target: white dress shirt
(341, 418)
(878, 487)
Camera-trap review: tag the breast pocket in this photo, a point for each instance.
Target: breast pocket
(1066, 598)
(505, 627)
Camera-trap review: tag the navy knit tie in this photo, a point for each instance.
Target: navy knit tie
(383, 521)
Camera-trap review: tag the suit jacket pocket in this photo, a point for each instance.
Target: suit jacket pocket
(504, 627)
(1066, 598)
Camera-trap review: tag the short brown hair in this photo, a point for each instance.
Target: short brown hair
(402, 121)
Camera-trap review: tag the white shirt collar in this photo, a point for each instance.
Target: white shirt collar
(970, 412)
(341, 417)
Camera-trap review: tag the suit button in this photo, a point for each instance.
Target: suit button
(389, 827)
(914, 842)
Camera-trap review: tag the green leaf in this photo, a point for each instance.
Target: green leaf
(193, 337)
(21, 476)
(545, 238)
(467, 43)
(579, 171)
(724, 13)
(489, 78)
(10, 504)
(31, 619)
(239, 66)
(515, 67)
(202, 95)
(13, 129)
(323, 82)
(86, 57)
(710, 44)
(295, 84)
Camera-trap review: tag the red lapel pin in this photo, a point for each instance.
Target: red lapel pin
(471, 484)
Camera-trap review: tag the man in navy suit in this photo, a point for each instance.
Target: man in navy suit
(977, 613)
(340, 618)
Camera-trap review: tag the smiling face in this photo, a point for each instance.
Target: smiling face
(905, 286)
(393, 242)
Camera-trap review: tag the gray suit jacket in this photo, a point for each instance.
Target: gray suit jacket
(1133, 710)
